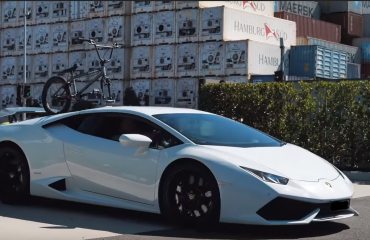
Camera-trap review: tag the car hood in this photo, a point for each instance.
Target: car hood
(289, 160)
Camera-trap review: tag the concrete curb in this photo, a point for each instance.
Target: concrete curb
(357, 176)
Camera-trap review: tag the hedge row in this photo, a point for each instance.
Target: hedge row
(331, 119)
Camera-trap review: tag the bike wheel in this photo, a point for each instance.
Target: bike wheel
(61, 103)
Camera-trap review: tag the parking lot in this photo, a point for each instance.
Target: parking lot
(56, 220)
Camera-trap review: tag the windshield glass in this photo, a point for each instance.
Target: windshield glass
(209, 129)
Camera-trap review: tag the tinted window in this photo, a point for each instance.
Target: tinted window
(209, 129)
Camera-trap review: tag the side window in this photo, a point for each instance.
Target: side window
(83, 123)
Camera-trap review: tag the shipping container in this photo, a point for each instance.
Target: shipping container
(164, 61)
(96, 9)
(354, 53)
(164, 6)
(212, 80)
(142, 6)
(187, 60)
(260, 7)
(365, 70)
(8, 96)
(163, 92)
(30, 5)
(211, 59)
(364, 45)
(60, 37)
(164, 27)
(304, 8)
(117, 90)
(318, 62)
(41, 68)
(29, 69)
(365, 7)
(236, 79)
(78, 10)
(220, 23)
(78, 58)
(59, 11)
(141, 29)
(366, 25)
(296, 78)
(353, 70)
(118, 30)
(142, 89)
(187, 21)
(96, 29)
(187, 93)
(20, 40)
(42, 39)
(92, 61)
(59, 62)
(9, 14)
(351, 23)
(118, 68)
(141, 62)
(42, 12)
(94, 93)
(77, 30)
(36, 92)
(9, 73)
(309, 27)
(339, 6)
(252, 57)
(8, 42)
(118, 8)
(262, 78)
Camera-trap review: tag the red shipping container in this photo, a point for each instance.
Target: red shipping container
(310, 27)
(365, 70)
(351, 23)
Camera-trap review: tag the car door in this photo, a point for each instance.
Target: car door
(103, 166)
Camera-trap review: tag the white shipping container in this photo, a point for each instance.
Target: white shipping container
(115, 8)
(142, 89)
(211, 59)
(96, 29)
(36, 92)
(78, 58)
(9, 71)
(213, 79)
(232, 25)
(92, 62)
(30, 13)
(141, 28)
(116, 92)
(304, 8)
(94, 93)
(41, 68)
(9, 14)
(20, 40)
(187, 60)
(260, 7)
(236, 79)
(163, 91)
(164, 61)
(187, 93)
(59, 11)
(141, 62)
(79, 9)
(365, 7)
(96, 9)
(142, 6)
(60, 37)
(164, 5)
(9, 95)
(116, 68)
(187, 25)
(42, 13)
(59, 62)
(164, 27)
(41, 39)
(9, 40)
(29, 69)
(118, 30)
(77, 30)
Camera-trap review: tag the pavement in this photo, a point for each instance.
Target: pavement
(46, 219)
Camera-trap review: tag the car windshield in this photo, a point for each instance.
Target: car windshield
(209, 129)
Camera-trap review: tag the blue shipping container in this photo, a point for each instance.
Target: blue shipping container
(365, 52)
(317, 61)
(353, 70)
(262, 78)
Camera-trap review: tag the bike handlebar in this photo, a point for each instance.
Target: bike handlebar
(92, 42)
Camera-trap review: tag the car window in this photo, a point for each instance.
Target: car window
(209, 129)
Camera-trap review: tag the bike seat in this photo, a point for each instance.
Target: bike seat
(71, 69)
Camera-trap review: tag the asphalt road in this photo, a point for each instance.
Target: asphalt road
(56, 220)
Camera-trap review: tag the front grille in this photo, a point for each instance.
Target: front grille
(285, 209)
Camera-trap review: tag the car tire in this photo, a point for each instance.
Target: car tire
(184, 205)
(14, 176)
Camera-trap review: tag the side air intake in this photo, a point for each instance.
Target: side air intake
(59, 185)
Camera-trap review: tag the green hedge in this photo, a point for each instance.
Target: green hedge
(331, 119)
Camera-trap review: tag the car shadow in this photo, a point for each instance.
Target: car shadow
(69, 215)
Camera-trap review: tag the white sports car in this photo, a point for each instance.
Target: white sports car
(187, 164)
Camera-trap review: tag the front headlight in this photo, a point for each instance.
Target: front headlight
(267, 177)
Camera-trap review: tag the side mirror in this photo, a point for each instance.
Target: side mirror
(135, 140)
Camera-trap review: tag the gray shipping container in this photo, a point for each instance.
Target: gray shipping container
(354, 53)
(338, 6)
(365, 7)
(304, 8)
(353, 70)
(366, 25)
